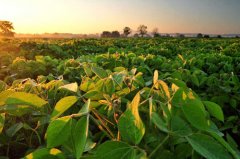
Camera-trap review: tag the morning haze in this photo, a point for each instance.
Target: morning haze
(94, 16)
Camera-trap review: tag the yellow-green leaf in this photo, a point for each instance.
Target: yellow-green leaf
(58, 131)
(45, 153)
(4, 95)
(62, 105)
(2, 121)
(22, 98)
(155, 77)
(80, 134)
(71, 87)
(130, 124)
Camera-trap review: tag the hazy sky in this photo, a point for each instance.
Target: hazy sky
(94, 16)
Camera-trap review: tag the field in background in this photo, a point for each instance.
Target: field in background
(178, 97)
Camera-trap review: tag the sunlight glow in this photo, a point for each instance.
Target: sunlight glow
(94, 16)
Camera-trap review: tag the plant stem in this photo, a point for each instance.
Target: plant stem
(155, 150)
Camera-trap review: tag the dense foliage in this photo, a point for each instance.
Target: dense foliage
(129, 98)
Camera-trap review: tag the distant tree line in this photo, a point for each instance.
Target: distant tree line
(142, 30)
(108, 34)
(200, 35)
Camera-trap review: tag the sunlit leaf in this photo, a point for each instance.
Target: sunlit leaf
(4, 95)
(134, 130)
(45, 153)
(109, 86)
(71, 87)
(62, 105)
(164, 88)
(101, 73)
(58, 131)
(80, 133)
(22, 98)
(155, 77)
(94, 95)
(2, 121)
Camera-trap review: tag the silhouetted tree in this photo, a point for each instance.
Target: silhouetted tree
(155, 33)
(206, 36)
(180, 35)
(6, 28)
(199, 35)
(136, 35)
(236, 36)
(167, 35)
(106, 34)
(219, 36)
(127, 31)
(142, 29)
(115, 34)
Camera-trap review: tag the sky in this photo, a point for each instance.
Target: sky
(95, 16)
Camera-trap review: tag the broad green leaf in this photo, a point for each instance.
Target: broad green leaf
(87, 84)
(179, 98)
(4, 95)
(161, 125)
(208, 147)
(85, 108)
(62, 105)
(193, 110)
(118, 78)
(80, 133)
(138, 79)
(123, 91)
(94, 95)
(214, 129)
(71, 87)
(17, 110)
(215, 110)
(14, 129)
(179, 83)
(2, 121)
(101, 73)
(58, 131)
(87, 70)
(134, 130)
(45, 153)
(234, 153)
(22, 98)
(180, 127)
(116, 150)
(109, 87)
(119, 69)
(100, 84)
